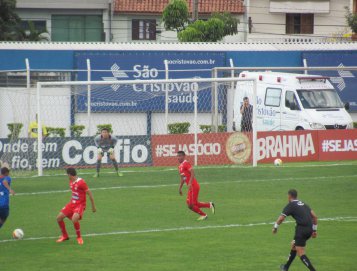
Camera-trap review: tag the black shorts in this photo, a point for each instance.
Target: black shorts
(302, 234)
(4, 213)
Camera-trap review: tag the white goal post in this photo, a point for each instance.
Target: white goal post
(90, 85)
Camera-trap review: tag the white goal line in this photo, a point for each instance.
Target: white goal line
(190, 228)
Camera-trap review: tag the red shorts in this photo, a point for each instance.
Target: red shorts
(70, 209)
(192, 194)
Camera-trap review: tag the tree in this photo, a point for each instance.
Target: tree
(176, 15)
(9, 21)
(203, 31)
(230, 22)
(219, 25)
(351, 19)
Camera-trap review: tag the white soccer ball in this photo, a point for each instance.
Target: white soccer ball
(278, 162)
(18, 234)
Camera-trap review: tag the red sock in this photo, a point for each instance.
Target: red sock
(63, 228)
(197, 210)
(77, 227)
(204, 205)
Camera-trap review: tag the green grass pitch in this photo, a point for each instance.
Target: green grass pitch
(143, 224)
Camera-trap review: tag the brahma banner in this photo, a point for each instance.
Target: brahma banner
(236, 148)
(292, 146)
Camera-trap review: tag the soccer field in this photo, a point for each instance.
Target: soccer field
(143, 224)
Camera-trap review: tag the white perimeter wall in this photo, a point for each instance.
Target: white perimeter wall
(19, 105)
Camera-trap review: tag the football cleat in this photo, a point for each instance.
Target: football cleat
(96, 175)
(120, 174)
(283, 268)
(202, 217)
(80, 241)
(213, 207)
(62, 239)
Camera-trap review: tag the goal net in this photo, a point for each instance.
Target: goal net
(54, 126)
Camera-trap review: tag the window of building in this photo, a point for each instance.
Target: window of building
(272, 97)
(143, 29)
(38, 25)
(297, 23)
(77, 28)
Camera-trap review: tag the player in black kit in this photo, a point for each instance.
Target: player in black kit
(306, 227)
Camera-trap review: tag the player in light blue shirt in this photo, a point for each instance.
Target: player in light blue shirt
(5, 191)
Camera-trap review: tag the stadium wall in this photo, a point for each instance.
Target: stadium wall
(71, 57)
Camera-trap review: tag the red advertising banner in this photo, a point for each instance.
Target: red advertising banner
(236, 148)
(210, 148)
(337, 145)
(290, 146)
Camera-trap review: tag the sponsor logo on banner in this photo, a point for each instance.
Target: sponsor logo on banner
(210, 148)
(286, 145)
(338, 145)
(62, 152)
(238, 148)
(121, 66)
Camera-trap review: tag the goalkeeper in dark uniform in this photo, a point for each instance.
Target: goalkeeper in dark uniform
(106, 143)
(306, 227)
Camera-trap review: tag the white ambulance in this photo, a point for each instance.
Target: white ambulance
(288, 101)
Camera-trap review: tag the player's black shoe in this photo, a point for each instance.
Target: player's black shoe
(283, 268)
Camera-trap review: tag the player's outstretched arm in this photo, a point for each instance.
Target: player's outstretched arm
(6, 184)
(89, 193)
(182, 181)
(278, 222)
(314, 222)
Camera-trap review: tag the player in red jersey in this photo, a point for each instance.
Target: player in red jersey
(75, 208)
(188, 175)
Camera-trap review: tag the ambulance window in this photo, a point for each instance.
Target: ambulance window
(290, 101)
(273, 97)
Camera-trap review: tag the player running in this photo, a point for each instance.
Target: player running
(188, 175)
(106, 143)
(5, 191)
(75, 208)
(306, 227)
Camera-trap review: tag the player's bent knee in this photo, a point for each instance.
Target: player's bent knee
(190, 206)
(300, 251)
(60, 218)
(75, 218)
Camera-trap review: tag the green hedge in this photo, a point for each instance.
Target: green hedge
(15, 130)
(56, 131)
(77, 130)
(206, 129)
(355, 125)
(179, 127)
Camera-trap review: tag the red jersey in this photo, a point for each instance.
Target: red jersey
(79, 189)
(184, 170)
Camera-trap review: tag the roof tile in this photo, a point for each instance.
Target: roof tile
(157, 6)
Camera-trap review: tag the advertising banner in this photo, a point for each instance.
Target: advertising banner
(78, 152)
(338, 145)
(135, 65)
(236, 148)
(344, 81)
(290, 146)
